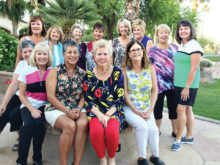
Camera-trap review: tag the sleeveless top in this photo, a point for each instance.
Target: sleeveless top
(144, 41)
(68, 90)
(139, 88)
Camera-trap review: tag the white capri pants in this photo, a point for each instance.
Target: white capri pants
(146, 131)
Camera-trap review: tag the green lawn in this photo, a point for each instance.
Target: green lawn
(208, 100)
(213, 58)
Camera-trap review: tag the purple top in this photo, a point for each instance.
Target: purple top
(82, 57)
(163, 61)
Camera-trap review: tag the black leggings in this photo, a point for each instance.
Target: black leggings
(12, 114)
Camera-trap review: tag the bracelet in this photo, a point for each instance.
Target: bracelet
(79, 108)
(107, 115)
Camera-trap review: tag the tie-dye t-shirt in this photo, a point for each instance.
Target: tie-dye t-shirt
(163, 61)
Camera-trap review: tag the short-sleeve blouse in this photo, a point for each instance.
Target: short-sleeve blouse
(68, 90)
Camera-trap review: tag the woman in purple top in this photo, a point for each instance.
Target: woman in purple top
(162, 57)
(77, 33)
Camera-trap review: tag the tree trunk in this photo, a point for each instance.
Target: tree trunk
(15, 28)
(110, 26)
(132, 9)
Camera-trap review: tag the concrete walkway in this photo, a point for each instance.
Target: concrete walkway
(205, 150)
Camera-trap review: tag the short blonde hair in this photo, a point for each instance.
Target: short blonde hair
(76, 25)
(102, 44)
(127, 24)
(59, 30)
(164, 27)
(139, 22)
(42, 46)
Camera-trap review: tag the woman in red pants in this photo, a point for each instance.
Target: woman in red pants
(104, 98)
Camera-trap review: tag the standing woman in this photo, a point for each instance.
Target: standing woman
(162, 57)
(140, 96)
(36, 33)
(10, 106)
(32, 93)
(55, 41)
(186, 80)
(65, 109)
(104, 95)
(138, 30)
(77, 34)
(119, 44)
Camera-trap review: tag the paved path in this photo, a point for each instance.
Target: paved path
(205, 150)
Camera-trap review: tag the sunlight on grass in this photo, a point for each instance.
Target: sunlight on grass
(213, 58)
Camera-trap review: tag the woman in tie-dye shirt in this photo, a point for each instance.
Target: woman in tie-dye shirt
(162, 57)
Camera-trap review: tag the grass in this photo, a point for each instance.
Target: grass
(208, 100)
(213, 58)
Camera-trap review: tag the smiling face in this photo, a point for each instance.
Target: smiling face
(42, 58)
(98, 34)
(77, 34)
(123, 29)
(55, 35)
(136, 53)
(163, 36)
(71, 56)
(26, 52)
(138, 33)
(184, 33)
(102, 57)
(36, 27)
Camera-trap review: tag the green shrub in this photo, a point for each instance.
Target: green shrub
(23, 32)
(205, 64)
(8, 51)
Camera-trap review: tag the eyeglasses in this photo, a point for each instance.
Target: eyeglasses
(135, 50)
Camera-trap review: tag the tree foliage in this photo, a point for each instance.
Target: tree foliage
(110, 11)
(66, 12)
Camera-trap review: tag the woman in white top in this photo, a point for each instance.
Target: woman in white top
(10, 106)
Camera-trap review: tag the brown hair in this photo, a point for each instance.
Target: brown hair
(59, 30)
(33, 19)
(127, 61)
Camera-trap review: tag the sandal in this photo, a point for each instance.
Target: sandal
(15, 147)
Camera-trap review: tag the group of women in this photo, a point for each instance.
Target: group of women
(74, 86)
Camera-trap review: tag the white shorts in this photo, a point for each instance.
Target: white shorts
(52, 116)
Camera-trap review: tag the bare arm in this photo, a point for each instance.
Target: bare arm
(19, 57)
(149, 45)
(9, 93)
(195, 60)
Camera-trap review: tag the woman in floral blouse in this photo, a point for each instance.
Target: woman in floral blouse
(104, 98)
(64, 112)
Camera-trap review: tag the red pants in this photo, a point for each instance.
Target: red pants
(102, 138)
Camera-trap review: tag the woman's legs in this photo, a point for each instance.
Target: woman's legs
(112, 139)
(158, 109)
(68, 127)
(80, 137)
(190, 122)
(141, 128)
(181, 121)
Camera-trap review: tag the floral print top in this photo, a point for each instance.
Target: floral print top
(139, 88)
(104, 94)
(68, 90)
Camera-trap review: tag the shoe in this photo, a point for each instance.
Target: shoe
(187, 141)
(173, 134)
(37, 163)
(156, 160)
(159, 133)
(15, 147)
(142, 162)
(176, 146)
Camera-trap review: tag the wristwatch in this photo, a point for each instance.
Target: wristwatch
(187, 86)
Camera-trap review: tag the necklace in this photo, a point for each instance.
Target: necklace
(103, 73)
(72, 72)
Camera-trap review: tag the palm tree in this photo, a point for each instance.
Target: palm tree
(66, 12)
(132, 9)
(15, 10)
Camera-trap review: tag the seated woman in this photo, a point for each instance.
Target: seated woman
(32, 93)
(64, 112)
(140, 96)
(10, 106)
(104, 95)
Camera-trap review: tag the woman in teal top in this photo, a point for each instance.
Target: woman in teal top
(141, 91)
(186, 80)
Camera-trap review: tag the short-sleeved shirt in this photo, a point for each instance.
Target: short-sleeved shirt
(139, 88)
(182, 63)
(68, 90)
(163, 61)
(36, 89)
(104, 94)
